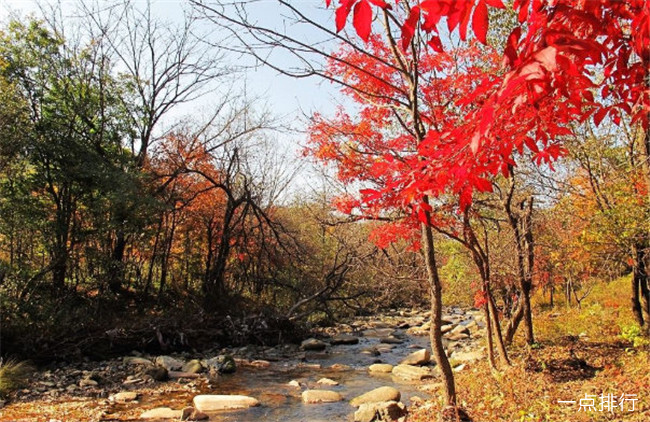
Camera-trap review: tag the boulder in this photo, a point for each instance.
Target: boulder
(412, 373)
(327, 381)
(380, 394)
(391, 340)
(124, 397)
(191, 414)
(212, 403)
(380, 412)
(313, 344)
(418, 331)
(194, 366)
(136, 360)
(222, 364)
(420, 357)
(320, 396)
(460, 329)
(161, 413)
(169, 363)
(382, 368)
(158, 373)
(344, 339)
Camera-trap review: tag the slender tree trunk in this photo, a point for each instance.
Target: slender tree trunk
(488, 336)
(497, 327)
(435, 288)
(514, 322)
(637, 279)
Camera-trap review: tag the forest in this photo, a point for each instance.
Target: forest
(456, 229)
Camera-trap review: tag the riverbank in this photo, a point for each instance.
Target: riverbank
(126, 388)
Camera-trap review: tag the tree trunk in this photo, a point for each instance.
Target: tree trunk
(497, 327)
(513, 324)
(435, 288)
(637, 281)
(488, 335)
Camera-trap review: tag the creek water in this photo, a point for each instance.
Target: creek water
(282, 402)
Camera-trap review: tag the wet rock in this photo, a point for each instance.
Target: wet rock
(381, 368)
(88, 382)
(169, 363)
(158, 373)
(340, 367)
(259, 363)
(191, 414)
(379, 332)
(372, 351)
(320, 396)
(193, 366)
(344, 339)
(222, 364)
(212, 403)
(380, 394)
(380, 412)
(313, 344)
(161, 413)
(327, 381)
(412, 373)
(391, 340)
(123, 397)
(420, 357)
(294, 383)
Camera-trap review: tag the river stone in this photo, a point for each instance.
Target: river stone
(191, 414)
(382, 368)
(158, 373)
(447, 328)
(412, 373)
(212, 403)
(136, 360)
(320, 396)
(327, 381)
(467, 356)
(420, 357)
(377, 395)
(169, 363)
(372, 351)
(460, 329)
(223, 364)
(344, 339)
(294, 383)
(124, 396)
(313, 344)
(418, 331)
(161, 413)
(391, 340)
(193, 366)
(379, 332)
(380, 412)
(456, 336)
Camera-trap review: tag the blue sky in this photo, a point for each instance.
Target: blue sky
(286, 97)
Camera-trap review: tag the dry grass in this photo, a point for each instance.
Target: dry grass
(581, 352)
(14, 375)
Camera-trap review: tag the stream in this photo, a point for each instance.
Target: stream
(346, 364)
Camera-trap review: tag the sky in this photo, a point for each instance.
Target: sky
(289, 99)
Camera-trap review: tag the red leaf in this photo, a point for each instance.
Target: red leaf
(496, 3)
(327, 3)
(362, 19)
(464, 21)
(480, 22)
(342, 13)
(600, 115)
(436, 44)
(510, 52)
(408, 29)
